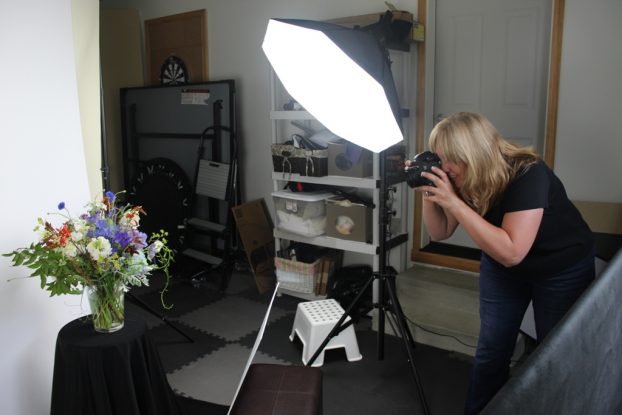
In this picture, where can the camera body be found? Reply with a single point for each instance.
(420, 163)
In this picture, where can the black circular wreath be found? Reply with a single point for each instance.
(164, 192)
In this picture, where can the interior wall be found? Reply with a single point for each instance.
(85, 18)
(588, 143)
(122, 66)
(589, 139)
(42, 163)
(235, 32)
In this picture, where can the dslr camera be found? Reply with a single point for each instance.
(420, 163)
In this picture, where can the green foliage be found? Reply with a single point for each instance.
(101, 248)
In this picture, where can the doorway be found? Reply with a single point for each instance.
(495, 57)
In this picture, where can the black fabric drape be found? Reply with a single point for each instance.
(577, 369)
(105, 374)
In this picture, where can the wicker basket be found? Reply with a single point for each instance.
(289, 159)
(297, 276)
(310, 278)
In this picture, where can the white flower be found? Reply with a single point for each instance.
(157, 246)
(99, 205)
(99, 248)
(130, 220)
(80, 228)
(69, 250)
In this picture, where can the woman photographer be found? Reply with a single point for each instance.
(535, 244)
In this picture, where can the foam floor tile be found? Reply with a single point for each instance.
(215, 377)
(276, 341)
(176, 350)
(231, 317)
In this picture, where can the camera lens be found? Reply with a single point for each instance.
(420, 163)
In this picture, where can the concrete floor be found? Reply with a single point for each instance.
(441, 305)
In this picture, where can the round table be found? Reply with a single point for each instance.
(113, 373)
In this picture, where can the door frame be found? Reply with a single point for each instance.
(422, 103)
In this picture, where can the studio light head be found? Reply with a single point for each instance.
(342, 76)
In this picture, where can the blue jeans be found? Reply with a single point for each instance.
(503, 301)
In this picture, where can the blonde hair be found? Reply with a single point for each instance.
(490, 162)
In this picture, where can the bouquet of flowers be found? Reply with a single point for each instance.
(101, 251)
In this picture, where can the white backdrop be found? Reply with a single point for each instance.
(41, 163)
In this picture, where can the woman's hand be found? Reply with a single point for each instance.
(443, 192)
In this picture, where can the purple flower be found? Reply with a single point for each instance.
(139, 239)
(101, 228)
(110, 196)
(61, 206)
(123, 239)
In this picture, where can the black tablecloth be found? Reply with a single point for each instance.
(115, 373)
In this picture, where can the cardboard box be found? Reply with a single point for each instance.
(347, 159)
(256, 233)
(348, 220)
(401, 20)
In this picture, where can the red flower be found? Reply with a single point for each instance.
(64, 234)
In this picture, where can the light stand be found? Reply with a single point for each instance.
(104, 139)
(386, 281)
(326, 67)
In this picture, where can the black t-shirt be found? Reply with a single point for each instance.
(563, 238)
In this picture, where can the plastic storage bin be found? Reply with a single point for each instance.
(301, 213)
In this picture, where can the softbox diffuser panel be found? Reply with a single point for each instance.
(342, 76)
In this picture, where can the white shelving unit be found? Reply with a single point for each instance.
(282, 130)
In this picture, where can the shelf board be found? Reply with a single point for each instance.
(361, 183)
(291, 115)
(304, 296)
(329, 242)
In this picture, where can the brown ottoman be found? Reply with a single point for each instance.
(280, 390)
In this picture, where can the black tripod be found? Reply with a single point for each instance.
(386, 282)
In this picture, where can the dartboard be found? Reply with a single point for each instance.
(174, 72)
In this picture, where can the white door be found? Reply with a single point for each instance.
(491, 56)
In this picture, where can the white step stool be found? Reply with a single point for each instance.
(312, 323)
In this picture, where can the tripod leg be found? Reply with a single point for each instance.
(144, 306)
(339, 326)
(381, 318)
(409, 334)
(408, 343)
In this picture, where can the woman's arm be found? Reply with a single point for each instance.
(508, 244)
(439, 223)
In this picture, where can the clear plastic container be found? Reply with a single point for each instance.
(302, 213)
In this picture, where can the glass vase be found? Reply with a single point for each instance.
(107, 306)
